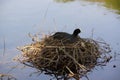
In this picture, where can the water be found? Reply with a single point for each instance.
(18, 18)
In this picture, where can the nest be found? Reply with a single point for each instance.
(65, 60)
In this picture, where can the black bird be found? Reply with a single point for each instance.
(66, 36)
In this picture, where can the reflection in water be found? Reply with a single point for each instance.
(112, 4)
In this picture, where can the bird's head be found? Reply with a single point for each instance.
(76, 32)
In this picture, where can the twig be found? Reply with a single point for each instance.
(81, 66)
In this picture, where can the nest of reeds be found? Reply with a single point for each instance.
(65, 60)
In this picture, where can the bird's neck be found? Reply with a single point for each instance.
(75, 34)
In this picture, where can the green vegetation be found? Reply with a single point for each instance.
(111, 4)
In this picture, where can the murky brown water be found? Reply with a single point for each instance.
(18, 18)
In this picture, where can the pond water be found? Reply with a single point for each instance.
(20, 17)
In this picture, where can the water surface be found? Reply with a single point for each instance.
(18, 18)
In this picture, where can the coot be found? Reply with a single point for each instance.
(66, 36)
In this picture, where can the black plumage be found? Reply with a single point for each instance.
(66, 37)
